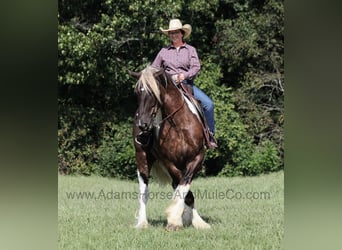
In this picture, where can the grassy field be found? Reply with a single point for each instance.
(99, 213)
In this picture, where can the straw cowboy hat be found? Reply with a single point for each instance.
(175, 24)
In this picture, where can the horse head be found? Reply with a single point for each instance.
(148, 96)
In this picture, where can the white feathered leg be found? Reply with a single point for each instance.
(197, 221)
(143, 197)
(175, 210)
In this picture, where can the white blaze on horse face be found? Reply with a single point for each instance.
(143, 196)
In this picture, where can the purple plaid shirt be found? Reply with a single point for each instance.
(174, 62)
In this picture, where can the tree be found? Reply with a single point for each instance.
(241, 51)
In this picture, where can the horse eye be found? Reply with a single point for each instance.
(142, 89)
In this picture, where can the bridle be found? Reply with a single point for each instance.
(169, 116)
(156, 107)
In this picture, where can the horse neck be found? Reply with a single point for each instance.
(172, 98)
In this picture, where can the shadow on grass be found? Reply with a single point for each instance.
(162, 222)
(211, 220)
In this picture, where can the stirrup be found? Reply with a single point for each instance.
(212, 141)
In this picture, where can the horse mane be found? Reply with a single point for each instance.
(148, 82)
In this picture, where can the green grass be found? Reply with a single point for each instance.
(108, 222)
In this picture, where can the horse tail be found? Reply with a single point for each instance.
(160, 173)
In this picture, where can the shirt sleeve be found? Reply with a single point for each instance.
(195, 65)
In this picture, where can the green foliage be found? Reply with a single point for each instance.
(237, 154)
(89, 144)
(253, 40)
(89, 10)
(253, 160)
(264, 159)
(77, 138)
(230, 132)
(241, 45)
(117, 154)
(250, 47)
(95, 57)
(76, 52)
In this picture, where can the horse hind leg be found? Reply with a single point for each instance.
(191, 216)
(197, 221)
(188, 214)
(143, 197)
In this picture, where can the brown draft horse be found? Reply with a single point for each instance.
(169, 144)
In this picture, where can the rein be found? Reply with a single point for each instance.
(173, 113)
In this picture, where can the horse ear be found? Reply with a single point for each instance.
(158, 73)
(134, 74)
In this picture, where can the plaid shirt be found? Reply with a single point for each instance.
(185, 60)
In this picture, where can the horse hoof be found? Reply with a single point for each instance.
(202, 225)
(141, 225)
(172, 227)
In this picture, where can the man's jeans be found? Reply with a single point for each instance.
(207, 103)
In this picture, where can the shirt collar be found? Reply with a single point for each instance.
(185, 45)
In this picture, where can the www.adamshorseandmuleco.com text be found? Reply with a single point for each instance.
(228, 194)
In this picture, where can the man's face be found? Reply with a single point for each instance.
(175, 36)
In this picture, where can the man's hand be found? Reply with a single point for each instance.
(180, 77)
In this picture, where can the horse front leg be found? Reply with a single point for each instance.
(143, 173)
(178, 208)
(182, 209)
(190, 214)
(143, 197)
(175, 211)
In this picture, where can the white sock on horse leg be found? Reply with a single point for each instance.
(143, 196)
(197, 221)
(175, 210)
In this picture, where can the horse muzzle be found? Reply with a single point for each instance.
(145, 127)
(143, 138)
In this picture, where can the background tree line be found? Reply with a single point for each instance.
(240, 44)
